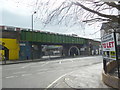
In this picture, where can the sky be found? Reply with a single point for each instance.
(14, 13)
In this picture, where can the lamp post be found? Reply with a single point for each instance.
(32, 30)
(32, 19)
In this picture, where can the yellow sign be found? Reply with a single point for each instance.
(109, 55)
(112, 54)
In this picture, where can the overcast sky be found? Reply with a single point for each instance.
(14, 13)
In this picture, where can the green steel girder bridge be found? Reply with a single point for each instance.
(72, 45)
(50, 38)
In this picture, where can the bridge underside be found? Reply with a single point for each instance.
(34, 50)
(29, 50)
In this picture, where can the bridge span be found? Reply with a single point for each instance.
(26, 44)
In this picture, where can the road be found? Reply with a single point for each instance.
(44, 74)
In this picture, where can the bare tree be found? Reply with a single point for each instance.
(76, 11)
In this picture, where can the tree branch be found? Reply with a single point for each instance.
(113, 5)
(111, 17)
(96, 19)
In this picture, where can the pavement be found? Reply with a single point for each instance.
(88, 77)
(91, 78)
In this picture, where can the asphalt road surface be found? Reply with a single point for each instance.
(44, 74)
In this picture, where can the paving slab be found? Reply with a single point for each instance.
(86, 77)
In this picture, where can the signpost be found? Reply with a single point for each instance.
(117, 54)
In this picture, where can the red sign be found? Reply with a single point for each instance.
(108, 44)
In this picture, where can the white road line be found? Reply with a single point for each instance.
(55, 81)
(27, 65)
(19, 72)
(21, 67)
(71, 60)
(60, 62)
(26, 74)
(10, 69)
(44, 64)
(11, 76)
(34, 66)
(41, 62)
(41, 65)
(41, 70)
(40, 73)
(67, 78)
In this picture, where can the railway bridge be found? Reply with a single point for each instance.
(27, 44)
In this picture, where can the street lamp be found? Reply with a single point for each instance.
(32, 19)
(32, 29)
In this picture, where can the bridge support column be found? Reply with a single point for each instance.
(40, 51)
(65, 50)
(36, 51)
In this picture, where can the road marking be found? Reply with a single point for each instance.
(27, 65)
(58, 79)
(71, 60)
(11, 76)
(10, 69)
(44, 64)
(41, 70)
(41, 65)
(40, 73)
(41, 62)
(19, 72)
(60, 62)
(34, 66)
(26, 74)
(67, 78)
(22, 67)
(55, 81)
